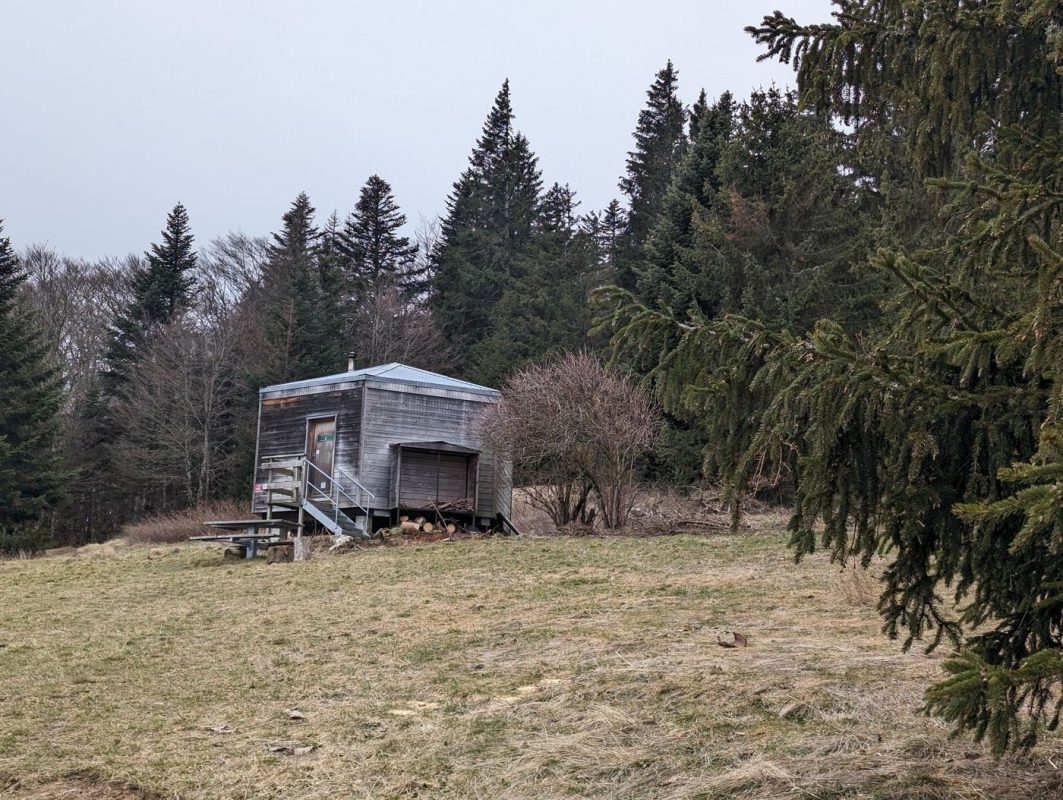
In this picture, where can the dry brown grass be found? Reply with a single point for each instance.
(498, 668)
(657, 511)
(178, 526)
(859, 586)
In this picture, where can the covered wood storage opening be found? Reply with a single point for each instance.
(436, 476)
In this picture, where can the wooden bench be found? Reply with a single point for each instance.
(245, 533)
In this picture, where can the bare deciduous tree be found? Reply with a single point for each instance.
(75, 301)
(230, 265)
(574, 430)
(175, 412)
(385, 328)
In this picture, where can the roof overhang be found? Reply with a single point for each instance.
(393, 373)
(437, 447)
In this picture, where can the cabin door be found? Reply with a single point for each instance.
(321, 450)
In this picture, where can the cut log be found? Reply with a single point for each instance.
(278, 554)
(428, 527)
(410, 527)
(302, 548)
(403, 518)
(420, 520)
(451, 528)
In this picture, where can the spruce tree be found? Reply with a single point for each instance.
(670, 271)
(331, 259)
(929, 437)
(660, 141)
(608, 231)
(161, 287)
(698, 111)
(491, 216)
(304, 331)
(376, 255)
(30, 399)
(543, 310)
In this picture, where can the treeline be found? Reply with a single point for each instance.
(131, 385)
(154, 361)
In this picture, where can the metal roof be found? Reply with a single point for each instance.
(400, 373)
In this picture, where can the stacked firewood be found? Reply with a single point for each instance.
(420, 524)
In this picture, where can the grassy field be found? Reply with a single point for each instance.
(525, 668)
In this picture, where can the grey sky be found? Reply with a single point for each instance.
(112, 110)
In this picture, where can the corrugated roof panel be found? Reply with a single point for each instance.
(392, 372)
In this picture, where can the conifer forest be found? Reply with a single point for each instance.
(845, 297)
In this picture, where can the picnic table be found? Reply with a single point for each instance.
(246, 533)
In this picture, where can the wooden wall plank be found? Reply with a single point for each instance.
(396, 416)
(371, 419)
(282, 428)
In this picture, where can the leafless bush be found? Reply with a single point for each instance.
(859, 587)
(574, 430)
(179, 525)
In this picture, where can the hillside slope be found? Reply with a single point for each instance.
(497, 668)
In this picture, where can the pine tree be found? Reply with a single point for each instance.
(490, 221)
(698, 112)
(304, 331)
(161, 288)
(30, 399)
(376, 255)
(544, 310)
(660, 141)
(931, 436)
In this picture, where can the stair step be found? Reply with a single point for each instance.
(334, 520)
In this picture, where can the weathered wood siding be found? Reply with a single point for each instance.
(283, 421)
(427, 478)
(400, 413)
(503, 483)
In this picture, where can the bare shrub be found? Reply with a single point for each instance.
(574, 429)
(859, 586)
(178, 526)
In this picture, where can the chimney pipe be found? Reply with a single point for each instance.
(350, 362)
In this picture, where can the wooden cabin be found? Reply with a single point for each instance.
(356, 450)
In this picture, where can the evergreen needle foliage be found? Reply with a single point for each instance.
(930, 433)
(30, 400)
(513, 262)
(161, 287)
(375, 253)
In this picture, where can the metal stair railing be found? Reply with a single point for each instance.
(368, 494)
(310, 488)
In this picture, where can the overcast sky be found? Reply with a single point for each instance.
(113, 110)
